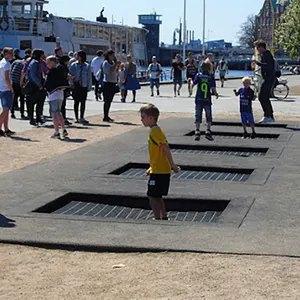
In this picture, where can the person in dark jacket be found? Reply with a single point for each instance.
(55, 85)
(82, 78)
(110, 72)
(267, 65)
(36, 92)
(63, 67)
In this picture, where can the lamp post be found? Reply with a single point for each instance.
(204, 8)
(184, 31)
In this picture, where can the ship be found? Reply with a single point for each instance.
(25, 24)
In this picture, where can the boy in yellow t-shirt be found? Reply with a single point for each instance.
(161, 162)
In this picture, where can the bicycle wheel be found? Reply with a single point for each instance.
(281, 91)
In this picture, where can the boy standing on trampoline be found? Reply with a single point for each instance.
(161, 162)
(246, 97)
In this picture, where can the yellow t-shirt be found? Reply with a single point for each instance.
(159, 163)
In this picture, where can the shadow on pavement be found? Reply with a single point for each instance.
(6, 223)
(75, 141)
(22, 139)
(97, 125)
(126, 124)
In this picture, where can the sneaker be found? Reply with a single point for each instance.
(41, 121)
(2, 132)
(253, 135)
(245, 135)
(178, 92)
(33, 123)
(65, 133)
(77, 121)
(56, 135)
(209, 136)
(23, 117)
(108, 120)
(9, 133)
(13, 116)
(152, 95)
(197, 135)
(266, 120)
(175, 95)
(133, 101)
(67, 123)
(158, 93)
(122, 100)
(83, 121)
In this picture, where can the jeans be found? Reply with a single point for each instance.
(35, 98)
(79, 96)
(18, 94)
(264, 98)
(199, 110)
(109, 89)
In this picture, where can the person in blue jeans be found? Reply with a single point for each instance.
(6, 91)
(246, 97)
(206, 86)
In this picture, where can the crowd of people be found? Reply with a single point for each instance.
(30, 80)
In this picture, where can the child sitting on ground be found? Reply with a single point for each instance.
(206, 86)
(246, 97)
(55, 85)
(161, 162)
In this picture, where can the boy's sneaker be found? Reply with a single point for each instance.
(253, 135)
(208, 135)
(245, 135)
(197, 135)
(56, 135)
(9, 133)
(65, 134)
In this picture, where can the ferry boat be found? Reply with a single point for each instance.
(25, 24)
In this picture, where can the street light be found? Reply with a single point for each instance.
(184, 30)
(204, 8)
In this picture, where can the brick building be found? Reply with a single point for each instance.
(269, 16)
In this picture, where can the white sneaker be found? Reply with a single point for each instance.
(263, 120)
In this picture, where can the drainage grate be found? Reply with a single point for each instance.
(218, 150)
(134, 208)
(191, 173)
(266, 125)
(237, 135)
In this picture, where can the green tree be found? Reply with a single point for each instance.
(249, 32)
(288, 31)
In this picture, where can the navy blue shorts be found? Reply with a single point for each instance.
(6, 99)
(154, 82)
(177, 81)
(247, 118)
(199, 111)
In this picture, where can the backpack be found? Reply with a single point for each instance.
(277, 69)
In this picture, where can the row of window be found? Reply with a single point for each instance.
(21, 8)
(112, 34)
(279, 9)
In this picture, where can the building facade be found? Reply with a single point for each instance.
(269, 17)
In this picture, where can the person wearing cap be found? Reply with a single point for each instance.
(191, 71)
(154, 70)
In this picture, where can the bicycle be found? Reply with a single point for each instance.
(280, 90)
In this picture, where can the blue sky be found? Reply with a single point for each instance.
(223, 16)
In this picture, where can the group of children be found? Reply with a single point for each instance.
(206, 87)
(161, 160)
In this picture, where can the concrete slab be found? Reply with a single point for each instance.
(262, 217)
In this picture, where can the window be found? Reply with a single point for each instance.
(21, 24)
(81, 30)
(3, 10)
(25, 44)
(92, 49)
(75, 29)
(282, 9)
(107, 33)
(100, 32)
(88, 31)
(94, 34)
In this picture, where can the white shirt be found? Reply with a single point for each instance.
(4, 66)
(58, 95)
(96, 64)
(154, 70)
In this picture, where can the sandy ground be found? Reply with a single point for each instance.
(28, 273)
(31, 273)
